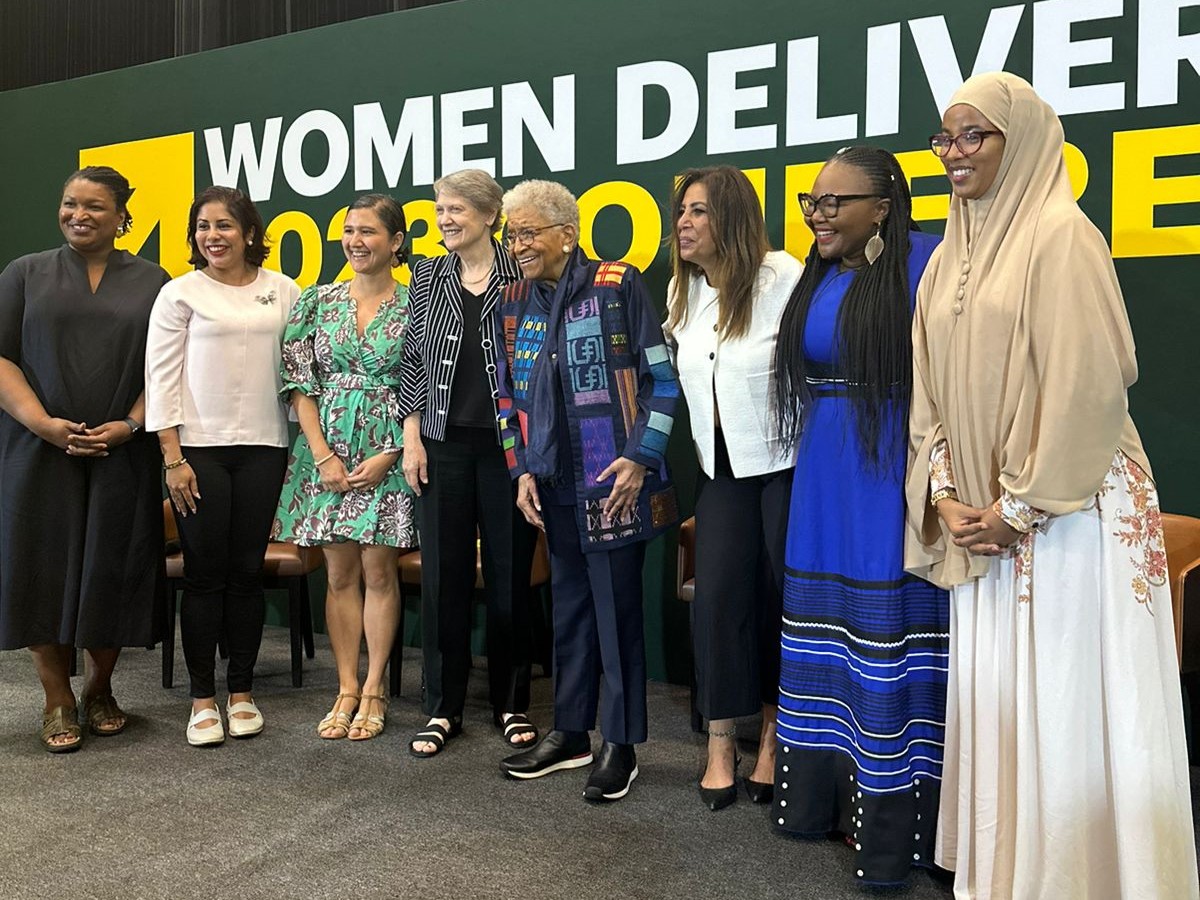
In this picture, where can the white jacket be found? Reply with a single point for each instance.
(740, 372)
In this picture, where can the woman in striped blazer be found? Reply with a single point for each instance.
(455, 464)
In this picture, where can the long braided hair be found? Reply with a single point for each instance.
(874, 325)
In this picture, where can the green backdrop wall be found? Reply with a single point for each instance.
(613, 99)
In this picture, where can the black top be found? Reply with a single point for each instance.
(470, 396)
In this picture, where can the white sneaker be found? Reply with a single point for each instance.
(243, 728)
(203, 737)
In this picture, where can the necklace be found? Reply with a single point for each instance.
(462, 274)
(477, 279)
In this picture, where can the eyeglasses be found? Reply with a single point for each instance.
(829, 204)
(526, 235)
(968, 143)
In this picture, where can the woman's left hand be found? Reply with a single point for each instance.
(99, 440)
(993, 539)
(371, 471)
(623, 498)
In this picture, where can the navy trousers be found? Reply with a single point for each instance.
(598, 634)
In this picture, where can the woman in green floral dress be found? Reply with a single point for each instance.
(344, 491)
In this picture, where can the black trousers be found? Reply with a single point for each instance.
(741, 535)
(469, 492)
(223, 544)
(597, 633)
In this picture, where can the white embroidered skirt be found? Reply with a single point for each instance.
(1066, 765)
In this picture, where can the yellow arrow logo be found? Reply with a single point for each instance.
(162, 173)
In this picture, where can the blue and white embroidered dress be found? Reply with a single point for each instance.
(862, 696)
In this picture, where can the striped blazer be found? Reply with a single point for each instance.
(434, 337)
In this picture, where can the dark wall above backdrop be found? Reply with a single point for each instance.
(42, 41)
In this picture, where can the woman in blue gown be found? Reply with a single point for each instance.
(864, 645)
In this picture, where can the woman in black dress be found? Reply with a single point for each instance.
(80, 491)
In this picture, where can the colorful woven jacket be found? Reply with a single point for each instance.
(616, 388)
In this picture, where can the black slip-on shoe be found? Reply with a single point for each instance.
(614, 773)
(558, 750)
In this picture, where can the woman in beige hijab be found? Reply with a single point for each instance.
(1031, 498)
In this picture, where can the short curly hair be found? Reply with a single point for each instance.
(547, 198)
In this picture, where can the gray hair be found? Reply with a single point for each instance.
(475, 186)
(549, 198)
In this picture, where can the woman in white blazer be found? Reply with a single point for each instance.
(724, 304)
(212, 394)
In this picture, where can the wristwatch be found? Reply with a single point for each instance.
(134, 425)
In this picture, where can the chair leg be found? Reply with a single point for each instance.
(168, 645)
(296, 631)
(306, 621)
(396, 661)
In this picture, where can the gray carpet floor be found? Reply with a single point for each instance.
(285, 814)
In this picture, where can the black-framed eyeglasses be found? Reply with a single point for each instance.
(968, 143)
(526, 235)
(829, 204)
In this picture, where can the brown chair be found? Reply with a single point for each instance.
(285, 566)
(1181, 534)
(685, 571)
(410, 580)
(685, 590)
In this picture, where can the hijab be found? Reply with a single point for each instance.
(1022, 351)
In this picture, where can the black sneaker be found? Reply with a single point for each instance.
(558, 750)
(613, 775)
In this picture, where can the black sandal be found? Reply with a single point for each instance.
(435, 734)
(517, 724)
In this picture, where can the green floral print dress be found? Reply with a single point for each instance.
(356, 384)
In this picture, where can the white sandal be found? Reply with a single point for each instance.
(203, 737)
(243, 728)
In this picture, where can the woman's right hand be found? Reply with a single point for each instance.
(56, 431)
(416, 464)
(528, 501)
(333, 475)
(961, 520)
(183, 488)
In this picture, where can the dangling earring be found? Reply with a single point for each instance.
(874, 248)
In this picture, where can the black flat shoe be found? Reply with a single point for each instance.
(558, 750)
(435, 734)
(759, 791)
(614, 773)
(517, 726)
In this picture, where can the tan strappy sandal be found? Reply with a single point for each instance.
(62, 720)
(338, 720)
(371, 724)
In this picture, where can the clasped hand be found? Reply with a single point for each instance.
(79, 440)
(366, 475)
(978, 531)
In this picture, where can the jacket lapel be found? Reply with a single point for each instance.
(445, 291)
(504, 271)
